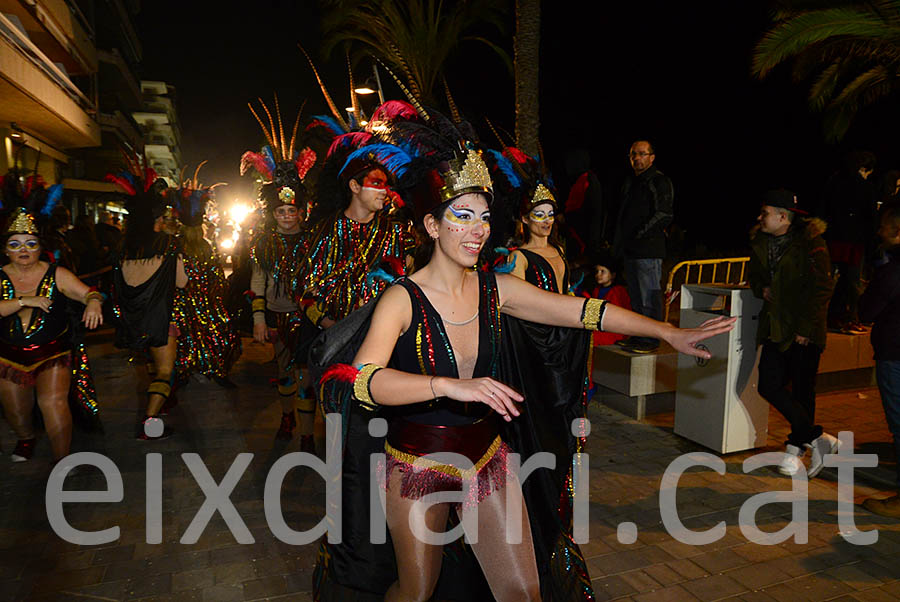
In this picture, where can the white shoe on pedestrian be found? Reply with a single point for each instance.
(825, 444)
(791, 463)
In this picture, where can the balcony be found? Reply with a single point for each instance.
(118, 79)
(39, 96)
(59, 30)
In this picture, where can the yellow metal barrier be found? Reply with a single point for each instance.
(728, 262)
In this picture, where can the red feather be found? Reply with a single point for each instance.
(396, 265)
(122, 183)
(305, 160)
(396, 198)
(258, 162)
(150, 176)
(395, 109)
(516, 155)
(339, 372)
(352, 140)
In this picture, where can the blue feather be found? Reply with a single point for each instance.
(331, 123)
(269, 157)
(575, 286)
(379, 274)
(507, 267)
(501, 250)
(393, 158)
(54, 193)
(506, 166)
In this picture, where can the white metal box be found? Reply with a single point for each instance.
(716, 400)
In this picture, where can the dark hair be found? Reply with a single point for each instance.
(553, 239)
(425, 246)
(860, 160)
(649, 143)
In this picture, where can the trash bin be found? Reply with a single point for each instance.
(716, 400)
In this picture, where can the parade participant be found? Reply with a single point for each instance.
(208, 342)
(277, 252)
(438, 333)
(38, 352)
(149, 270)
(354, 234)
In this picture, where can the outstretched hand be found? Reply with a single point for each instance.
(501, 398)
(685, 340)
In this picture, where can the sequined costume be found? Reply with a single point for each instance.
(343, 254)
(26, 350)
(358, 569)
(275, 261)
(207, 343)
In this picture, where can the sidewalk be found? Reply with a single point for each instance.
(627, 460)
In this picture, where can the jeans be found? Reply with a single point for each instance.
(797, 366)
(887, 374)
(644, 279)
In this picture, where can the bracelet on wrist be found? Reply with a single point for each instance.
(431, 384)
(362, 385)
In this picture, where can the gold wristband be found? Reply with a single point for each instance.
(258, 304)
(592, 313)
(93, 295)
(361, 385)
(314, 313)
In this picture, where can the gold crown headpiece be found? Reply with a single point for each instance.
(22, 223)
(541, 194)
(468, 173)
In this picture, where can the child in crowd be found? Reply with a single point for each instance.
(602, 285)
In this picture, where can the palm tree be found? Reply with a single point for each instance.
(849, 49)
(526, 47)
(414, 37)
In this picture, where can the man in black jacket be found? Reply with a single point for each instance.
(881, 304)
(640, 239)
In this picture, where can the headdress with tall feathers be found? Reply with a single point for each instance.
(28, 202)
(143, 194)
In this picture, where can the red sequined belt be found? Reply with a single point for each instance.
(28, 357)
(470, 440)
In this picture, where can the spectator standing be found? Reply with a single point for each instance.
(789, 269)
(645, 210)
(848, 206)
(881, 304)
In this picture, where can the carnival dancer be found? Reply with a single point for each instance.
(208, 341)
(276, 256)
(148, 272)
(38, 350)
(432, 350)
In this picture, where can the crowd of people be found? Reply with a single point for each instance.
(406, 271)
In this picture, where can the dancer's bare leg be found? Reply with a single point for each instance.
(53, 400)
(18, 402)
(418, 563)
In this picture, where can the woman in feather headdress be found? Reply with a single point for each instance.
(145, 278)
(430, 356)
(277, 252)
(37, 349)
(208, 342)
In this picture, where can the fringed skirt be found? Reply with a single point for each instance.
(22, 364)
(409, 443)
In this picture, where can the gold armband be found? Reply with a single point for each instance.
(592, 313)
(93, 295)
(361, 385)
(258, 304)
(314, 313)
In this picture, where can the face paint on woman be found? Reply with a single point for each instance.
(461, 218)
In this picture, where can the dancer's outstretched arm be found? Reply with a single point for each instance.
(523, 300)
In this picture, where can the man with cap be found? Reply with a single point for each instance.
(789, 268)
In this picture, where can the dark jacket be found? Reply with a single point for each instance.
(881, 304)
(801, 285)
(848, 206)
(644, 212)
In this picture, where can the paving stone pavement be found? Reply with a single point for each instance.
(627, 461)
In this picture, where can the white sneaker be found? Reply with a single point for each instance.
(825, 444)
(791, 463)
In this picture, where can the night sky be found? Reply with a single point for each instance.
(675, 72)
